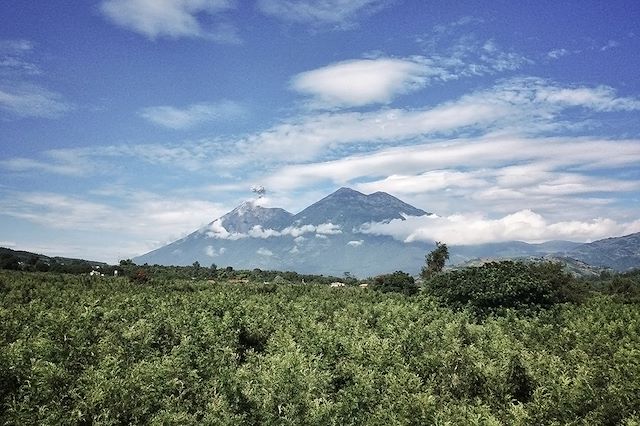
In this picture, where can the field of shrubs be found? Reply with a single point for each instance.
(501, 344)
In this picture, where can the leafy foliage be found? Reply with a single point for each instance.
(435, 260)
(399, 282)
(102, 350)
(496, 286)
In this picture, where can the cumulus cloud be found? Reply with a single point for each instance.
(523, 225)
(340, 14)
(192, 115)
(355, 243)
(171, 18)
(217, 230)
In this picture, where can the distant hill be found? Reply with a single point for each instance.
(574, 267)
(27, 257)
(325, 238)
(619, 253)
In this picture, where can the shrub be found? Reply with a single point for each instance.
(399, 282)
(496, 286)
(139, 277)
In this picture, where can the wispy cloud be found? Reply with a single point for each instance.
(28, 100)
(558, 53)
(192, 115)
(14, 58)
(529, 106)
(521, 106)
(359, 82)
(338, 14)
(484, 152)
(153, 218)
(172, 18)
(20, 96)
(611, 44)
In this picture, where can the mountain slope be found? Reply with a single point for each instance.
(348, 208)
(249, 214)
(619, 253)
(319, 239)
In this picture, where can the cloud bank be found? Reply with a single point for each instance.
(523, 225)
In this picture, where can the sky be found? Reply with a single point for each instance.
(126, 124)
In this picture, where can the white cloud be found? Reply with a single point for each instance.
(20, 97)
(217, 230)
(212, 252)
(355, 243)
(527, 106)
(601, 98)
(339, 14)
(192, 115)
(523, 225)
(528, 180)
(361, 82)
(20, 164)
(328, 229)
(171, 18)
(264, 252)
(611, 44)
(27, 100)
(518, 105)
(484, 152)
(557, 53)
(433, 180)
(15, 46)
(13, 58)
(152, 219)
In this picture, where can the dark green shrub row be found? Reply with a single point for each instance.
(496, 286)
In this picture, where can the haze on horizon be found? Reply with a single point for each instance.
(127, 124)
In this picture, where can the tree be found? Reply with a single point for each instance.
(399, 282)
(435, 260)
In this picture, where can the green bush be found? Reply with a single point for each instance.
(399, 282)
(496, 286)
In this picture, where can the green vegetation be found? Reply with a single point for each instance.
(228, 348)
(435, 260)
(495, 287)
(399, 282)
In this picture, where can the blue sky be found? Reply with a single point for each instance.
(127, 124)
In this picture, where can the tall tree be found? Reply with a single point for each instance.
(435, 260)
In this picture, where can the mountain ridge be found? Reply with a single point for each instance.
(325, 238)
